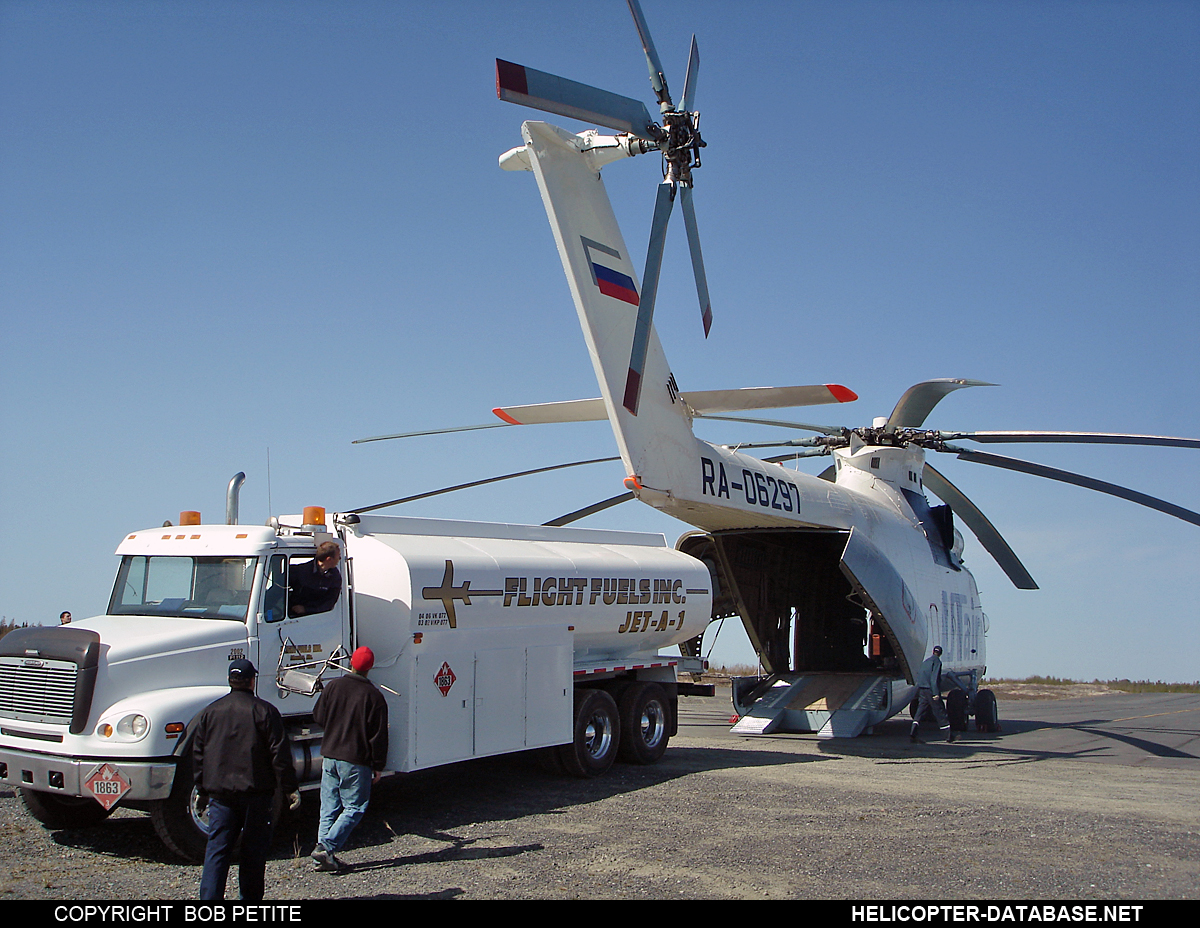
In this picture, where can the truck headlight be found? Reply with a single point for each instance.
(132, 727)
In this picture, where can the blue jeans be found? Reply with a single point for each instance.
(247, 815)
(345, 792)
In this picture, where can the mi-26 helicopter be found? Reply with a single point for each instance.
(845, 581)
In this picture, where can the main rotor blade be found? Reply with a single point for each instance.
(807, 453)
(528, 87)
(645, 316)
(977, 522)
(591, 510)
(693, 75)
(823, 429)
(1098, 438)
(657, 79)
(693, 237)
(479, 483)
(794, 443)
(459, 428)
(919, 399)
(1079, 480)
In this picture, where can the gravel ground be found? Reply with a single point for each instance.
(720, 817)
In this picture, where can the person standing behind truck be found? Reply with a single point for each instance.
(315, 585)
(240, 755)
(354, 747)
(929, 696)
(64, 618)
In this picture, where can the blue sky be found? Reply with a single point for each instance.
(229, 229)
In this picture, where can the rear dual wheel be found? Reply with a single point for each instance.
(597, 735)
(645, 723)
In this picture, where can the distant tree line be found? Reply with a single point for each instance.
(6, 626)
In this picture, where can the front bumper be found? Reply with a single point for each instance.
(66, 776)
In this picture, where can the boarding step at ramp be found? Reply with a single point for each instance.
(834, 705)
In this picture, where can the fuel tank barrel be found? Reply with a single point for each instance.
(623, 593)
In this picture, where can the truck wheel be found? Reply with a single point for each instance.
(180, 826)
(956, 709)
(597, 735)
(63, 811)
(645, 723)
(987, 715)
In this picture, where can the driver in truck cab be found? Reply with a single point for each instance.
(314, 586)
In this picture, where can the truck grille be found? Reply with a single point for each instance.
(37, 690)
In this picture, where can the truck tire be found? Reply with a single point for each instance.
(55, 811)
(178, 824)
(645, 723)
(956, 710)
(597, 735)
(987, 714)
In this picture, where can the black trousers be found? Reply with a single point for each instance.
(244, 815)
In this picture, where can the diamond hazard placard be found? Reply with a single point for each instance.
(106, 785)
(444, 678)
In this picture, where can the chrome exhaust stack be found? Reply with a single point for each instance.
(231, 498)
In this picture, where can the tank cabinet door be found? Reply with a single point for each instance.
(445, 702)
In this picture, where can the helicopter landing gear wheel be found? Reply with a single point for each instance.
(987, 714)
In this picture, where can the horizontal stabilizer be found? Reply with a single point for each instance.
(701, 402)
(709, 401)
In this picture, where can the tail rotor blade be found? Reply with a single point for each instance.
(657, 79)
(693, 237)
(689, 82)
(645, 317)
(516, 83)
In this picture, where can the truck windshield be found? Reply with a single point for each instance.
(194, 587)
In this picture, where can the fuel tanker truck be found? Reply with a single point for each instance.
(488, 639)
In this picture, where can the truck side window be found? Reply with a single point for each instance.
(275, 598)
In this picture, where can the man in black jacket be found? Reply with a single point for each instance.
(354, 747)
(315, 585)
(240, 755)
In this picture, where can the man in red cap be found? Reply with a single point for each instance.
(354, 747)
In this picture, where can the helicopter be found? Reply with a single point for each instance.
(844, 581)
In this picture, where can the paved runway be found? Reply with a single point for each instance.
(1145, 729)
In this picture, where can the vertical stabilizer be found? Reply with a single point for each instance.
(604, 285)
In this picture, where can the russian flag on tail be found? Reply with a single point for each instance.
(615, 284)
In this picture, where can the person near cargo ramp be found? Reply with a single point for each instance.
(240, 755)
(354, 747)
(929, 696)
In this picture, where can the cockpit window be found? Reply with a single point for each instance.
(192, 587)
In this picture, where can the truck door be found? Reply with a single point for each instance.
(300, 642)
